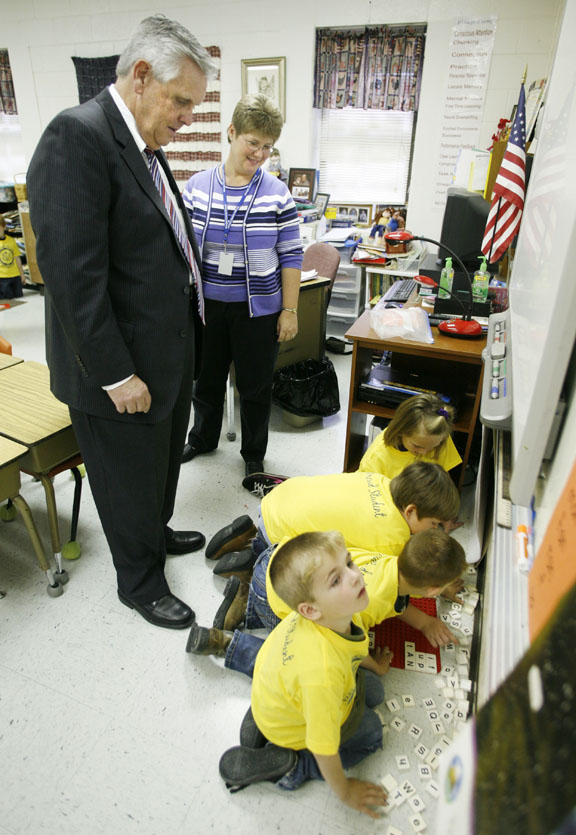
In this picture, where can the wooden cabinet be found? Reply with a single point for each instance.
(458, 361)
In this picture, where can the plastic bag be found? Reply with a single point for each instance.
(307, 388)
(410, 323)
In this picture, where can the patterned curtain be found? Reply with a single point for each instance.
(7, 98)
(93, 74)
(374, 69)
(194, 148)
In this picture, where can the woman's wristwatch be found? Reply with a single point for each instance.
(290, 309)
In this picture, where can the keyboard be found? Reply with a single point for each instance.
(400, 291)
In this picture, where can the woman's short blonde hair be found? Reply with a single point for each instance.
(294, 565)
(257, 114)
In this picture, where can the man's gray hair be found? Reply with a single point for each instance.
(164, 43)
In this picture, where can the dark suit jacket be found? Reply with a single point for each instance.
(117, 283)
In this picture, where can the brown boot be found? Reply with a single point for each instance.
(233, 608)
(202, 641)
(233, 537)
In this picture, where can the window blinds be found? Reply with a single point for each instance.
(365, 155)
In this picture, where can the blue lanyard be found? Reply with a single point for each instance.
(245, 194)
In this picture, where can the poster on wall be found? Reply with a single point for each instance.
(470, 53)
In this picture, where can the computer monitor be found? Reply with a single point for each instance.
(463, 226)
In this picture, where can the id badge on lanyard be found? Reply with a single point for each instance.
(226, 259)
(225, 263)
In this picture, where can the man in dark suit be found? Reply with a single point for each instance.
(122, 300)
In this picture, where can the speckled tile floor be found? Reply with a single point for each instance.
(107, 726)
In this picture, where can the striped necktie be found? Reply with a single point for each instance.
(176, 225)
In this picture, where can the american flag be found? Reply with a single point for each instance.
(509, 189)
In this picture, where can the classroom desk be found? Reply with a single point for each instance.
(11, 454)
(458, 360)
(311, 337)
(7, 360)
(31, 415)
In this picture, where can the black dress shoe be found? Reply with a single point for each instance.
(253, 467)
(190, 452)
(167, 611)
(184, 542)
(238, 534)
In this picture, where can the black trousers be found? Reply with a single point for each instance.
(251, 344)
(133, 471)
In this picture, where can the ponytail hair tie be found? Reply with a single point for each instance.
(443, 412)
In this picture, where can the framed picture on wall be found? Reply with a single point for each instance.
(321, 202)
(301, 182)
(267, 76)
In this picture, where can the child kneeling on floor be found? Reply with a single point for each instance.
(314, 682)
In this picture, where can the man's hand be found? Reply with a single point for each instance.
(132, 396)
(435, 631)
(287, 326)
(364, 796)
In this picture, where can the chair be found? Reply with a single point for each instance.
(325, 259)
(5, 346)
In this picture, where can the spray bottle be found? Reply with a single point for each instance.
(480, 283)
(446, 279)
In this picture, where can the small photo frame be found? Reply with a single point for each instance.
(301, 183)
(267, 76)
(321, 202)
(358, 214)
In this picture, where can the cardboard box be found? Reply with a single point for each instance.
(29, 244)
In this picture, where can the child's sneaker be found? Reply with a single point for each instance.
(261, 483)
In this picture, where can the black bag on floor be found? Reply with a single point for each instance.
(307, 388)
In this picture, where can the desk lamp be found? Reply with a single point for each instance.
(464, 328)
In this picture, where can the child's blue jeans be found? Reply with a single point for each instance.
(366, 740)
(243, 648)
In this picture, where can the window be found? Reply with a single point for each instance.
(367, 86)
(365, 155)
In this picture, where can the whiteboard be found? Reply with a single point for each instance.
(543, 280)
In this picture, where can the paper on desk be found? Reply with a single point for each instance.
(337, 235)
(308, 275)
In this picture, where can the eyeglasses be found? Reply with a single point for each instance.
(254, 145)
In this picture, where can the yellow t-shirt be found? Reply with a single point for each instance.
(390, 461)
(9, 252)
(304, 683)
(380, 573)
(357, 504)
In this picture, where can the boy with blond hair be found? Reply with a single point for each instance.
(309, 718)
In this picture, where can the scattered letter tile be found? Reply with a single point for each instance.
(402, 762)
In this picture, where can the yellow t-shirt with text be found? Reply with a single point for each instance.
(304, 683)
(357, 504)
(9, 252)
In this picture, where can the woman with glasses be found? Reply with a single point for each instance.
(248, 231)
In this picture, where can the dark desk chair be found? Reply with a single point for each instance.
(325, 259)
